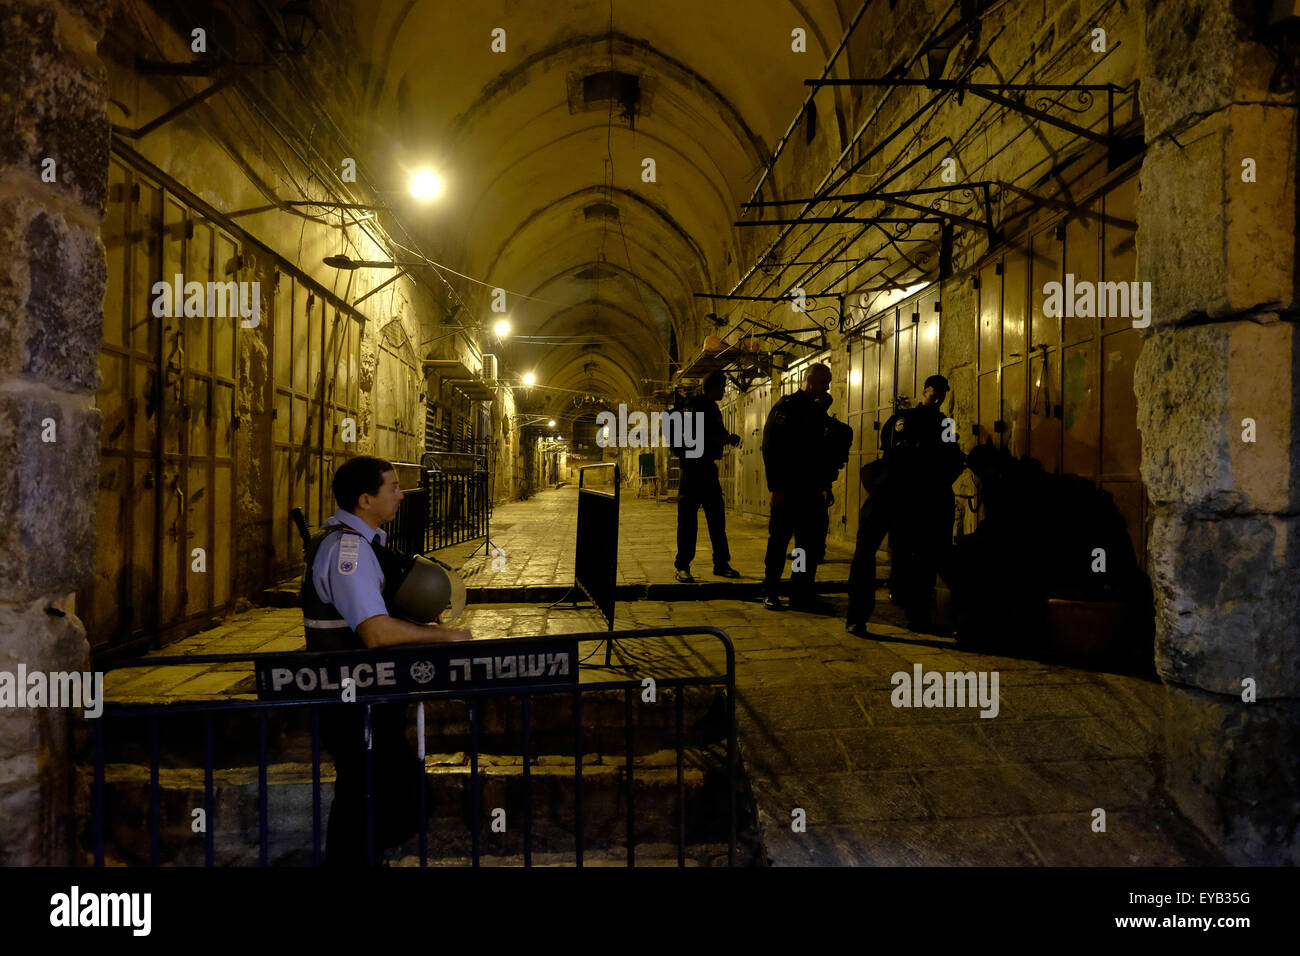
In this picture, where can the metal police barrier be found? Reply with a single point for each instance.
(595, 563)
(517, 667)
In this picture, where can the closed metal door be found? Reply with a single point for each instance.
(316, 420)
(298, 431)
(753, 486)
(165, 508)
(862, 416)
(727, 467)
(1061, 389)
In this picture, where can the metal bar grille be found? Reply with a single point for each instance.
(235, 710)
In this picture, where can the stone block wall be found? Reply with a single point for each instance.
(1216, 384)
(52, 107)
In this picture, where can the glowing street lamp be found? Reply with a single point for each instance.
(529, 380)
(426, 184)
(501, 329)
(551, 423)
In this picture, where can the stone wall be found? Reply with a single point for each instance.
(51, 314)
(1225, 542)
(226, 152)
(505, 446)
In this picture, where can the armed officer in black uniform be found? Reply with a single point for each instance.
(344, 605)
(922, 467)
(875, 519)
(700, 486)
(795, 457)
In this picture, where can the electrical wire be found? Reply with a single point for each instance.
(609, 188)
(786, 230)
(444, 268)
(292, 78)
(823, 189)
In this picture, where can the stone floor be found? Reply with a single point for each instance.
(876, 784)
(536, 540)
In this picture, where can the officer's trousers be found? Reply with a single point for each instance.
(803, 515)
(874, 521)
(396, 776)
(920, 545)
(700, 488)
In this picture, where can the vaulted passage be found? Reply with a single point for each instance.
(243, 242)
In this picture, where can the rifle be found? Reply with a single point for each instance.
(300, 521)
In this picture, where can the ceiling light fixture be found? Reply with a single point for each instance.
(426, 184)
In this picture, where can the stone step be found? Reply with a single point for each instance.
(646, 855)
(181, 735)
(286, 594)
(289, 800)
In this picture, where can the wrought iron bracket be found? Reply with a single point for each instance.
(223, 74)
(222, 79)
(897, 197)
(997, 93)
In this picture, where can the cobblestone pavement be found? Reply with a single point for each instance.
(537, 540)
(877, 784)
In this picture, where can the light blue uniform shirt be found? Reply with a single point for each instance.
(350, 577)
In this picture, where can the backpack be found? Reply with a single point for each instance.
(839, 442)
(682, 405)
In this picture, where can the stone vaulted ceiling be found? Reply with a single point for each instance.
(524, 143)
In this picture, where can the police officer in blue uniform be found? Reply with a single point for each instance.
(345, 608)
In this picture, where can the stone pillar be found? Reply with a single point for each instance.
(1220, 253)
(53, 106)
(958, 352)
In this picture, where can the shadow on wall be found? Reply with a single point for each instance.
(1050, 572)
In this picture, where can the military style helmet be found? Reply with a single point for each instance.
(416, 589)
(427, 591)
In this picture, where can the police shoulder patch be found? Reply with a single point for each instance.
(898, 425)
(349, 551)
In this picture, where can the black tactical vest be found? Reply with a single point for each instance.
(326, 629)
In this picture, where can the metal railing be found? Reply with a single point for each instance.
(437, 659)
(451, 504)
(459, 504)
(409, 530)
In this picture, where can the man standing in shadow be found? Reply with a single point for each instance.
(795, 460)
(927, 460)
(700, 486)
